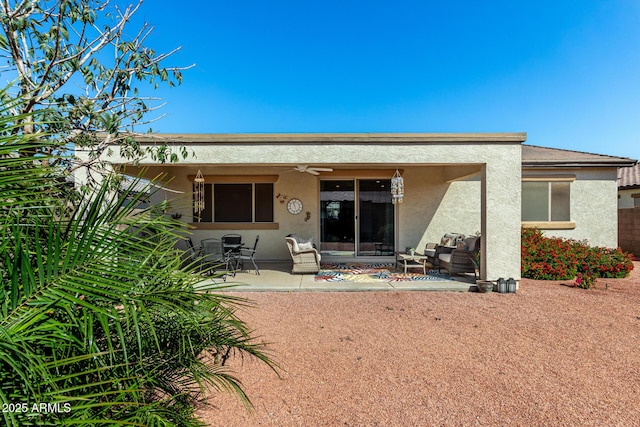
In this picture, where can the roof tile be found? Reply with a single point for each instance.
(629, 177)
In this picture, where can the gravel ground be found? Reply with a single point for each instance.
(549, 355)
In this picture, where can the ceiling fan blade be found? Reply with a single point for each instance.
(311, 169)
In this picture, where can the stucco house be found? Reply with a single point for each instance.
(336, 189)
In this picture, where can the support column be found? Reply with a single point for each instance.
(501, 217)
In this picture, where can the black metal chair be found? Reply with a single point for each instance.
(249, 255)
(232, 242)
(215, 257)
(190, 255)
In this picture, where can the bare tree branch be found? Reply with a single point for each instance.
(73, 62)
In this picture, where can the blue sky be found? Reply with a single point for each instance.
(565, 72)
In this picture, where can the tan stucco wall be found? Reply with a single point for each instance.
(434, 205)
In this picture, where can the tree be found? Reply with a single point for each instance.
(99, 322)
(74, 60)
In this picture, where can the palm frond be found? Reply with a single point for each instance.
(97, 310)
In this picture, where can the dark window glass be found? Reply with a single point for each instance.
(233, 202)
(264, 202)
(236, 203)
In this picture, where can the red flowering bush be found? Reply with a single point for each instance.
(554, 258)
(585, 281)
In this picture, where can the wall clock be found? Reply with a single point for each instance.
(294, 206)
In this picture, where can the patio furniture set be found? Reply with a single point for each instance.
(227, 254)
(455, 253)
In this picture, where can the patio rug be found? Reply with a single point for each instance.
(377, 272)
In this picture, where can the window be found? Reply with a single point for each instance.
(237, 202)
(546, 201)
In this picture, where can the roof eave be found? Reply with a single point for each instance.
(342, 138)
(618, 163)
(629, 187)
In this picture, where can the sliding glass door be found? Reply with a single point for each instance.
(337, 214)
(376, 234)
(365, 228)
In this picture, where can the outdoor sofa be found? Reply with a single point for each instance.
(462, 259)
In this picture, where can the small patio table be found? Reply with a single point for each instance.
(413, 261)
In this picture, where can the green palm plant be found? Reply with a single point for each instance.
(99, 323)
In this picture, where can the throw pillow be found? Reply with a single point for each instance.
(305, 246)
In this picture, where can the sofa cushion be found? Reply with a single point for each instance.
(445, 257)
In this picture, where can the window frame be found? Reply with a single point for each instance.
(548, 223)
(255, 180)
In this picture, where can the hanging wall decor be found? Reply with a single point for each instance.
(198, 194)
(397, 188)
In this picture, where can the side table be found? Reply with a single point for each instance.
(413, 261)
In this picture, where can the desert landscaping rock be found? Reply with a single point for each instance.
(548, 355)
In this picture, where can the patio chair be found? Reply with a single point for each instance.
(462, 259)
(215, 258)
(189, 254)
(232, 242)
(305, 257)
(246, 254)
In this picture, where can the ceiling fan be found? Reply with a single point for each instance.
(312, 170)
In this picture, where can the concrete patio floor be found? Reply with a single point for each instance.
(276, 277)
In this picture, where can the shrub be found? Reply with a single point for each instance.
(555, 258)
(585, 281)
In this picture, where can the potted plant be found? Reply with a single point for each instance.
(484, 285)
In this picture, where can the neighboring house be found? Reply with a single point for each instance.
(629, 187)
(629, 209)
(466, 183)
